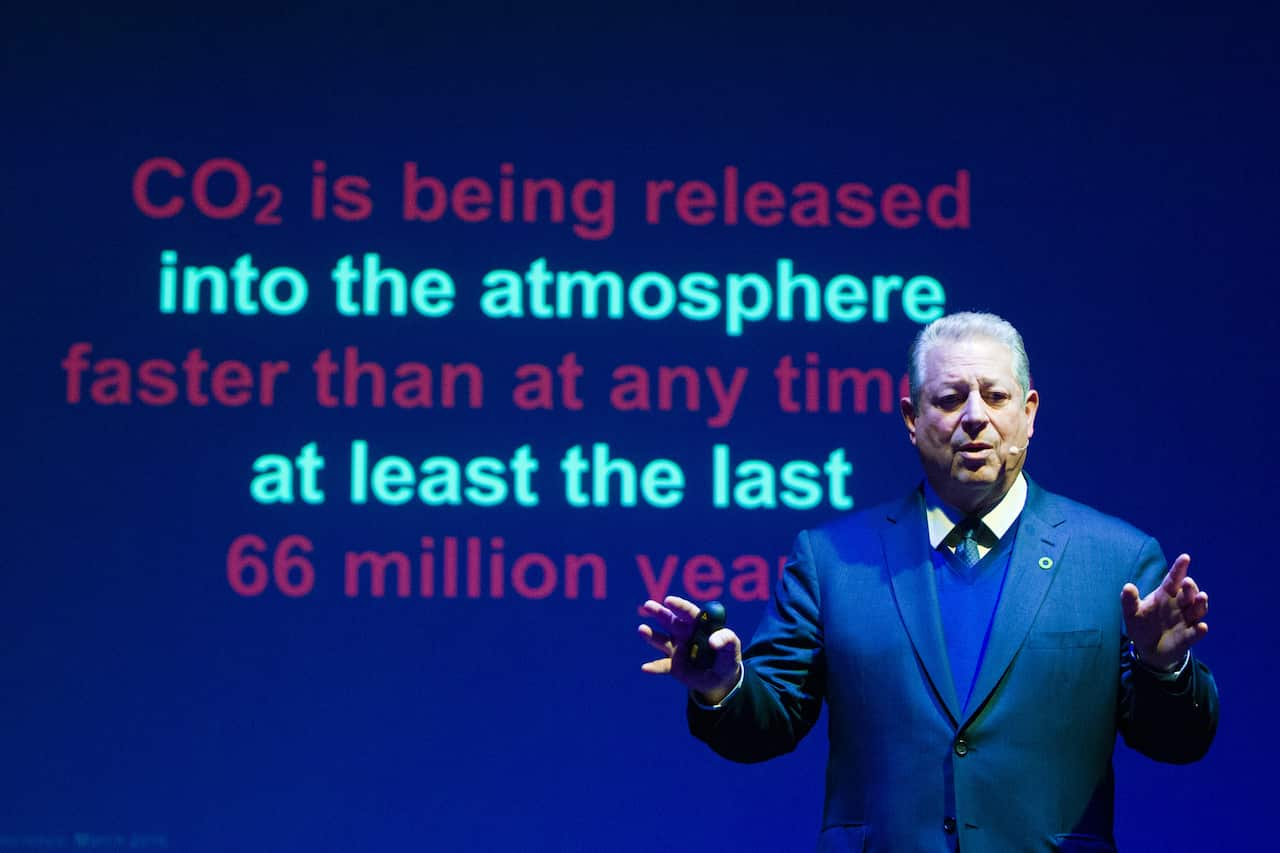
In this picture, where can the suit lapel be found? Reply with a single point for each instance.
(1037, 552)
(906, 552)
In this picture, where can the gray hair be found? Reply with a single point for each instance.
(965, 326)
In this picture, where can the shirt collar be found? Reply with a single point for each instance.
(999, 519)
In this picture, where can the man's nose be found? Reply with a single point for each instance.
(974, 416)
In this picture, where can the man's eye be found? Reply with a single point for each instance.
(997, 396)
(948, 401)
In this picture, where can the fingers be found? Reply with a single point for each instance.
(1196, 609)
(1185, 636)
(661, 642)
(1177, 572)
(661, 666)
(1188, 595)
(685, 608)
(728, 648)
(1168, 622)
(1192, 602)
(725, 638)
(1129, 600)
(672, 611)
(655, 610)
(1177, 639)
(677, 616)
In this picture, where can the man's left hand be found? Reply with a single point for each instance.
(1167, 623)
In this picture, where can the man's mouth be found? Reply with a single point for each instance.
(974, 447)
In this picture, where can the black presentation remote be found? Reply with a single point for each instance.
(700, 655)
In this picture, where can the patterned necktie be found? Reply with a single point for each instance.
(967, 548)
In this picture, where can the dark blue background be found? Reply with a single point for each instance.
(1124, 191)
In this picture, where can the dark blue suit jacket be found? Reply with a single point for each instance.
(1027, 766)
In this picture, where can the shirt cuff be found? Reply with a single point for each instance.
(742, 674)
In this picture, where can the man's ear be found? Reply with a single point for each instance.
(908, 417)
(1031, 407)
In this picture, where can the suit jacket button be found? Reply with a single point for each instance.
(961, 747)
(948, 824)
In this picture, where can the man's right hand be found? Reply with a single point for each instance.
(675, 618)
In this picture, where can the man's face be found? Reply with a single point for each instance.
(973, 422)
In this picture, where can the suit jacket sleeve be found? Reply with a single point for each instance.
(784, 674)
(1171, 721)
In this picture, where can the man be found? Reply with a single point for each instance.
(979, 644)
